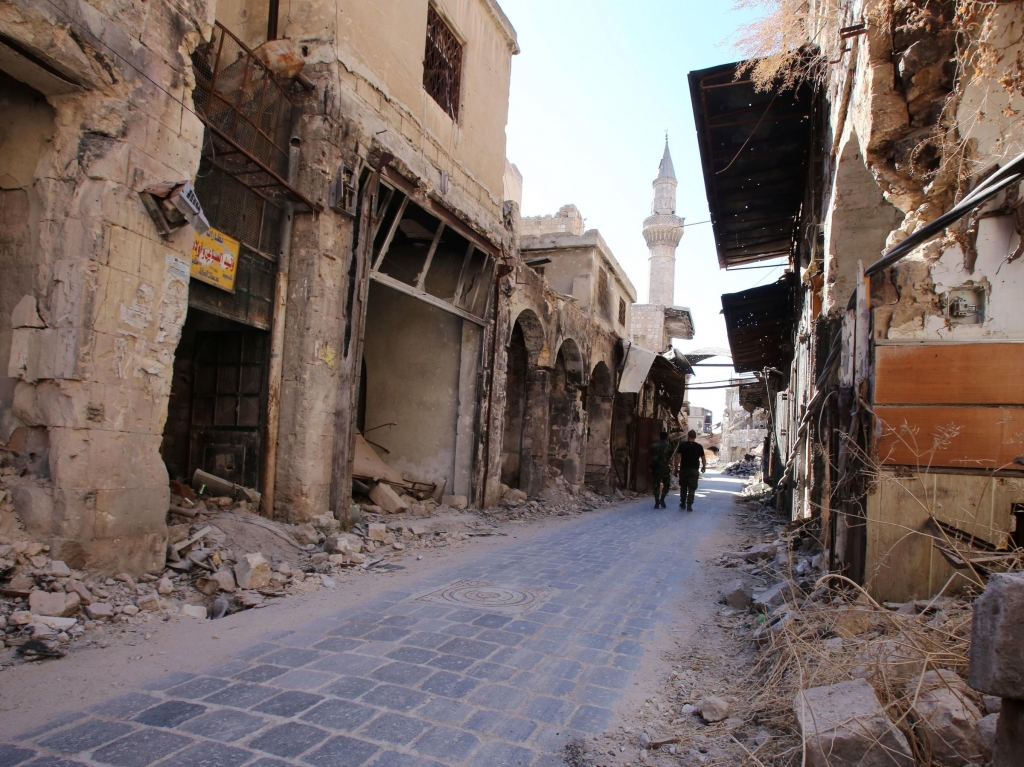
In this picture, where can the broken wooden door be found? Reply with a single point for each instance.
(228, 405)
(647, 432)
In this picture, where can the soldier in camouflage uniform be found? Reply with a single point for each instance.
(661, 469)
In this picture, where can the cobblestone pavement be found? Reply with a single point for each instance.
(498, 660)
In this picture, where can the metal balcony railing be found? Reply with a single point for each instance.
(247, 113)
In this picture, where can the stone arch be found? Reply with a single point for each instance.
(600, 403)
(575, 365)
(534, 337)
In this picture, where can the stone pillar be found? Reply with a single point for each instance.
(997, 660)
(533, 459)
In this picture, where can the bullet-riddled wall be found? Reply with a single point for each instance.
(94, 310)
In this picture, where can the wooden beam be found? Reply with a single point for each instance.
(391, 234)
(954, 374)
(926, 436)
(410, 290)
(422, 276)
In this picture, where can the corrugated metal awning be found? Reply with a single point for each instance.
(759, 323)
(754, 149)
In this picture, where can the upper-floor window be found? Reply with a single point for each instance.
(442, 64)
(622, 312)
(604, 295)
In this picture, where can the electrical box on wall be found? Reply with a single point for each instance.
(343, 192)
(965, 305)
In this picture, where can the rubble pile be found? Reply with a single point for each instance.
(802, 667)
(743, 468)
(559, 498)
(221, 558)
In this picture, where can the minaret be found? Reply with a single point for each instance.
(663, 230)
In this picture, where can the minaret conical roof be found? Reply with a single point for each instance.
(665, 170)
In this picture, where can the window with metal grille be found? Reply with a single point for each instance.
(622, 312)
(442, 64)
(604, 295)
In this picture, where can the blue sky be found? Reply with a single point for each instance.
(597, 84)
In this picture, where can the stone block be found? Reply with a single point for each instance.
(997, 638)
(377, 531)
(945, 717)
(738, 594)
(843, 725)
(341, 543)
(150, 602)
(53, 603)
(194, 611)
(57, 568)
(773, 596)
(714, 709)
(26, 315)
(985, 736)
(459, 502)
(305, 534)
(851, 621)
(222, 580)
(34, 506)
(252, 571)
(1009, 734)
(384, 496)
(99, 611)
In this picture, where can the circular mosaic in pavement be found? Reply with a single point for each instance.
(486, 596)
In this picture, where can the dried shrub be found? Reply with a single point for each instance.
(790, 43)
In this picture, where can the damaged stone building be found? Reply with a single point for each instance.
(281, 245)
(891, 382)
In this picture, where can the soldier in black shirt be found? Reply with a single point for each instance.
(692, 464)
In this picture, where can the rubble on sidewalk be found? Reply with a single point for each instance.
(811, 665)
(221, 558)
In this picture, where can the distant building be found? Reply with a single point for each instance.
(742, 431)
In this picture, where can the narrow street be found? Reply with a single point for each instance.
(497, 656)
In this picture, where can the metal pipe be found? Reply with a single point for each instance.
(277, 329)
(273, 12)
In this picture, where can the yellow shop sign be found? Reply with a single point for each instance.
(215, 259)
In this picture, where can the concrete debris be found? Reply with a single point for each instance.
(714, 709)
(774, 596)
(997, 638)
(252, 571)
(985, 737)
(742, 468)
(459, 502)
(844, 725)
(738, 594)
(194, 611)
(383, 495)
(945, 716)
(218, 549)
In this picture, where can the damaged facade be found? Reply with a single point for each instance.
(893, 393)
(360, 293)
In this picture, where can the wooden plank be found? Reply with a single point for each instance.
(898, 557)
(950, 374)
(925, 436)
(902, 562)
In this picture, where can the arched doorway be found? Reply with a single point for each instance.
(599, 406)
(567, 418)
(524, 348)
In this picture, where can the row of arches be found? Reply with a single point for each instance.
(558, 419)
